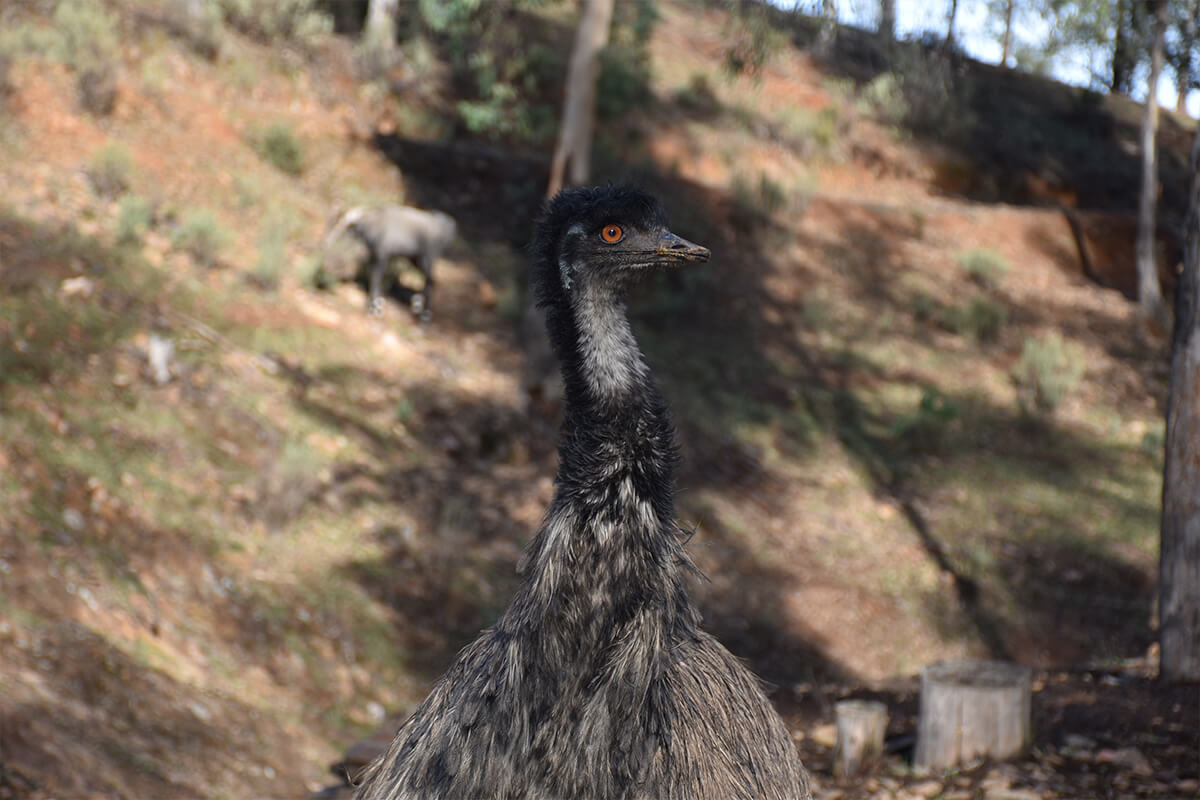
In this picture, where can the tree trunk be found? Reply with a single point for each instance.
(971, 709)
(828, 31)
(380, 27)
(579, 106)
(950, 17)
(887, 19)
(1186, 45)
(1006, 43)
(1123, 59)
(1149, 292)
(1179, 568)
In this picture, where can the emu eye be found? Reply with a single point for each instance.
(612, 234)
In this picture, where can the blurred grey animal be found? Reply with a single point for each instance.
(398, 232)
(597, 682)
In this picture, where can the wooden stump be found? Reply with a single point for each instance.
(860, 728)
(971, 709)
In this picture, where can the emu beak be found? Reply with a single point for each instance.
(675, 248)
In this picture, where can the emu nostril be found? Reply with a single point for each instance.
(677, 247)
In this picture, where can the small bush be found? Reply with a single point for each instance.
(272, 254)
(201, 236)
(985, 267)
(982, 319)
(110, 169)
(812, 130)
(763, 198)
(9, 50)
(278, 145)
(199, 24)
(928, 427)
(755, 41)
(299, 21)
(883, 99)
(1049, 370)
(623, 83)
(320, 277)
(86, 40)
(133, 220)
(698, 96)
(86, 35)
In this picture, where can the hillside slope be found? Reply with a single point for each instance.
(209, 587)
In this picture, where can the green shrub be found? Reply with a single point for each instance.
(698, 96)
(623, 83)
(86, 39)
(982, 319)
(763, 198)
(985, 267)
(10, 48)
(201, 236)
(883, 99)
(278, 145)
(86, 35)
(133, 219)
(110, 169)
(755, 41)
(1049, 370)
(812, 129)
(320, 277)
(299, 21)
(272, 254)
(927, 428)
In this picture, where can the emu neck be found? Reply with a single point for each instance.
(609, 554)
(608, 366)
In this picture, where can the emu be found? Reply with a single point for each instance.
(398, 232)
(597, 682)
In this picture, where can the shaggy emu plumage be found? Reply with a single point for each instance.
(597, 683)
(391, 232)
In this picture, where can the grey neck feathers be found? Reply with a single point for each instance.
(611, 364)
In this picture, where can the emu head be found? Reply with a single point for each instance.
(603, 238)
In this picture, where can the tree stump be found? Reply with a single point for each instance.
(860, 728)
(971, 709)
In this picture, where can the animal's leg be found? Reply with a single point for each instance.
(421, 302)
(378, 270)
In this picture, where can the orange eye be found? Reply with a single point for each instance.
(612, 234)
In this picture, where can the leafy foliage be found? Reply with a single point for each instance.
(985, 267)
(298, 21)
(983, 319)
(755, 39)
(278, 145)
(133, 219)
(86, 40)
(698, 96)
(1049, 370)
(201, 236)
(86, 35)
(110, 169)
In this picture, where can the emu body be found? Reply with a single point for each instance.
(597, 682)
(391, 232)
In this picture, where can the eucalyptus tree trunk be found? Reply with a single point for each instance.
(887, 19)
(574, 147)
(827, 34)
(380, 27)
(1006, 42)
(1179, 567)
(1149, 293)
(1184, 60)
(1123, 58)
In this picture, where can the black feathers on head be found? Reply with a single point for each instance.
(592, 207)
